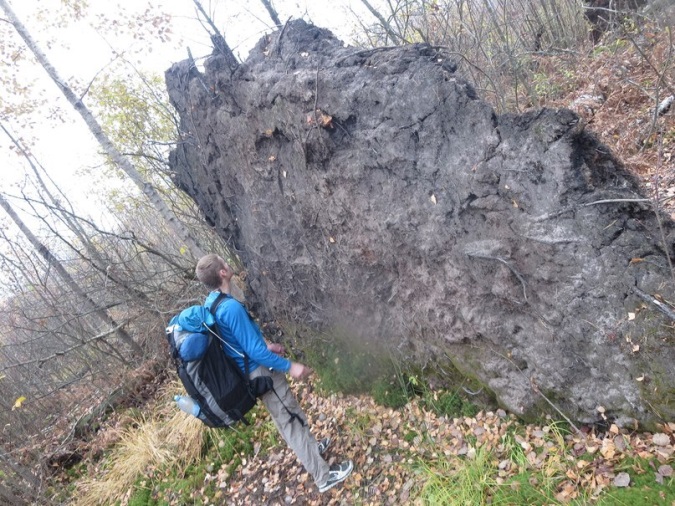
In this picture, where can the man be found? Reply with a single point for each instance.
(241, 333)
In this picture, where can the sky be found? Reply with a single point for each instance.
(81, 49)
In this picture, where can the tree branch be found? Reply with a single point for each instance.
(666, 310)
(60, 353)
(272, 12)
(501, 260)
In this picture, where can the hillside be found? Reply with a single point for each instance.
(438, 448)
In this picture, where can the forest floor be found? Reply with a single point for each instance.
(415, 454)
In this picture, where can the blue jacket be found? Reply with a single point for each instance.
(239, 331)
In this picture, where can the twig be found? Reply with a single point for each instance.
(548, 216)
(316, 102)
(656, 210)
(208, 19)
(610, 201)
(499, 259)
(662, 75)
(281, 34)
(41, 361)
(273, 13)
(666, 310)
(535, 387)
(384, 23)
(219, 42)
(316, 96)
(86, 90)
(472, 393)
(657, 104)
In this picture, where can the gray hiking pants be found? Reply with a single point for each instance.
(297, 436)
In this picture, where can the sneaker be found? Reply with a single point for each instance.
(323, 445)
(338, 473)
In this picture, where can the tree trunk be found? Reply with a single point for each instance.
(272, 12)
(396, 38)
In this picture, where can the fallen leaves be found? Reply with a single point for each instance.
(621, 480)
(18, 403)
(390, 448)
(661, 439)
(320, 118)
(664, 471)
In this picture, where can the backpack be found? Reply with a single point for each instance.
(214, 381)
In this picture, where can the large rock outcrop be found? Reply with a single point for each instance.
(374, 191)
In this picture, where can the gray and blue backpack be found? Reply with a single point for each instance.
(223, 392)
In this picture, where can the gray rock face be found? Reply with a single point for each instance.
(374, 191)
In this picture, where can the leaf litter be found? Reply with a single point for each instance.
(390, 447)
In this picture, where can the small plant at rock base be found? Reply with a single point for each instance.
(390, 394)
(344, 363)
(449, 404)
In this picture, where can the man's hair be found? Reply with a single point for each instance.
(208, 270)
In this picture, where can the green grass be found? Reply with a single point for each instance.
(528, 488)
(476, 481)
(513, 450)
(643, 487)
(450, 404)
(141, 497)
(394, 391)
(344, 363)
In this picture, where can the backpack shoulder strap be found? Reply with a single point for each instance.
(221, 297)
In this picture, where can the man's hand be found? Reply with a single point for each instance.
(276, 348)
(299, 371)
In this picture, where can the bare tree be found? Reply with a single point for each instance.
(87, 302)
(396, 37)
(95, 128)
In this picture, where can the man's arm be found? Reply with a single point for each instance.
(297, 370)
(248, 335)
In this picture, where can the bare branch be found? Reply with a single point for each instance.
(665, 309)
(272, 12)
(384, 23)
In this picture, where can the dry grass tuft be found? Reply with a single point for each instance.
(165, 438)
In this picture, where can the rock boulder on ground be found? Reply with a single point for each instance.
(373, 191)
